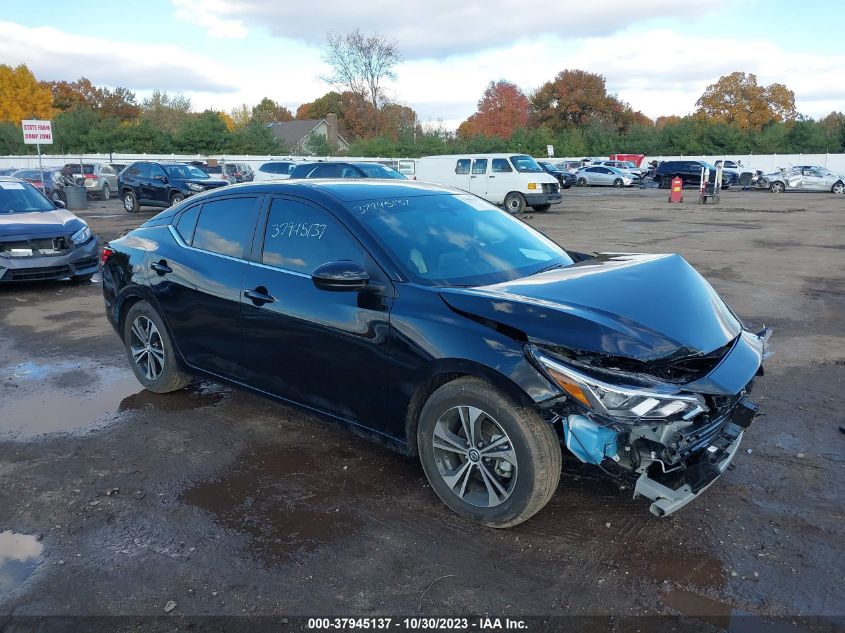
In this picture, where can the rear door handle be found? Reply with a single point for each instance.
(259, 296)
(161, 268)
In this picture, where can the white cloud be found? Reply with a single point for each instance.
(212, 15)
(436, 28)
(55, 55)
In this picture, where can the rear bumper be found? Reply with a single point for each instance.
(538, 199)
(84, 260)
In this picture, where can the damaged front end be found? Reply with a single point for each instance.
(673, 424)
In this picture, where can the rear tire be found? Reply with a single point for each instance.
(488, 458)
(514, 203)
(150, 350)
(130, 202)
(106, 193)
(666, 182)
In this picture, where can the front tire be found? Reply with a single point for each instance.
(514, 203)
(838, 188)
(488, 458)
(150, 350)
(777, 187)
(581, 182)
(130, 202)
(618, 183)
(176, 198)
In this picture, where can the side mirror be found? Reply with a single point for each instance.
(58, 204)
(340, 276)
(161, 178)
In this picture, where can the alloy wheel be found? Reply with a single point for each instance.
(106, 192)
(128, 202)
(474, 456)
(146, 347)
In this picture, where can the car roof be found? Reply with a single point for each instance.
(341, 189)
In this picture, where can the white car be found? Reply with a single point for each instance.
(806, 178)
(622, 165)
(274, 170)
(598, 175)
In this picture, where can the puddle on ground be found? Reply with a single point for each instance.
(19, 556)
(700, 607)
(683, 568)
(40, 398)
(293, 499)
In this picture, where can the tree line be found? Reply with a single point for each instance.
(572, 111)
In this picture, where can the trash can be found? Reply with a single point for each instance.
(75, 196)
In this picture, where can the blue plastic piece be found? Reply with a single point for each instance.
(588, 441)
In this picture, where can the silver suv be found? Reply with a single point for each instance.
(99, 179)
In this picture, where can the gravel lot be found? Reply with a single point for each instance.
(116, 500)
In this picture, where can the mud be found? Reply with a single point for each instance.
(229, 504)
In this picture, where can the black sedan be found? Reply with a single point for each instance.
(442, 326)
(565, 178)
(39, 239)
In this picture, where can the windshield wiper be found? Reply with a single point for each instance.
(548, 268)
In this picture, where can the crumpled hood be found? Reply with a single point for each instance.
(43, 223)
(642, 307)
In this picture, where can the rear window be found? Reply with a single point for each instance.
(75, 168)
(225, 226)
(276, 168)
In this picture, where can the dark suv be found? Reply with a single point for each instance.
(689, 171)
(151, 184)
(565, 179)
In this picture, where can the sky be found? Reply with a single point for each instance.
(658, 55)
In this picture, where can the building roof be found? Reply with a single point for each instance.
(292, 132)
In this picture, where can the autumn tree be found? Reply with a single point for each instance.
(503, 109)
(738, 99)
(241, 116)
(166, 112)
(22, 96)
(268, 111)
(329, 103)
(576, 97)
(361, 64)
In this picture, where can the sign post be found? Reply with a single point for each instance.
(37, 133)
(550, 149)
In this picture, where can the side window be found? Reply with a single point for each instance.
(300, 238)
(143, 170)
(479, 166)
(106, 170)
(187, 222)
(156, 172)
(462, 166)
(225, 226)
(326, 170)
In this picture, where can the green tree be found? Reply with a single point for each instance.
(166, 112)
(254, 138)
(317, 145)
(202, 133)
(268, 111)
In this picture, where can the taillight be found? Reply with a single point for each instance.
(90, 177)
(107, 252)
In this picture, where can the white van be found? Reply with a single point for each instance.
(511, 180)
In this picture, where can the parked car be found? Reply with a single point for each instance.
(40, 239)
(571, 166)
(689, 171)
(99, 179)
(565, 179)
(336, 169)
(275, 170)
(622, 165)
(8, 171)
(745, 176)
(599, 175)
(806, 178)
(152, 184)
(447, 329)
(511, 180)
(54, 183)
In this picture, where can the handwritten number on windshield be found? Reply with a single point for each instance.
(297, 229)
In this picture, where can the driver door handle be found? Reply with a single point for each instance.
(259, 296)
(161, 267)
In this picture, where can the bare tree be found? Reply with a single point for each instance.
(361, 64)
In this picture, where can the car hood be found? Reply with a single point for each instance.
(44, 223)
(644, 307)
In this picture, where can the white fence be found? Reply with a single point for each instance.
(765, 162)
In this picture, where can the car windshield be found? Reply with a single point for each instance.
(628, 164)
(457, 240)
(21, 197)
(525, 164)
(29, 174)
(185, 171)
(380, 171)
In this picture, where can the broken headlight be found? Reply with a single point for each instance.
(81, 236)
(660, 401)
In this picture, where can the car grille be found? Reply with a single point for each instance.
(550, 187)
(35, 274)
(85, 263)
(39, 247)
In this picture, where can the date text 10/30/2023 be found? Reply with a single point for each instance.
(418, 623)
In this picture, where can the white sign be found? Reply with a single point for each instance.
(37, 132)
(551, 150)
